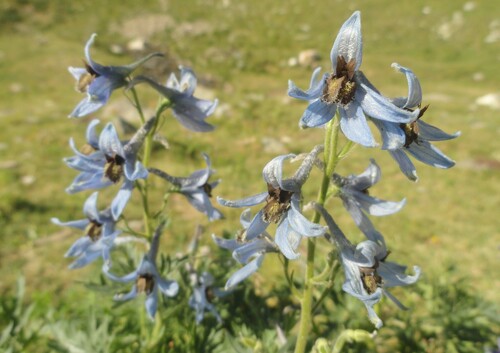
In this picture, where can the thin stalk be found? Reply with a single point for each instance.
(137, 104)
(330, 159)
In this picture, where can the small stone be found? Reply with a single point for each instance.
(116, 49)
(292, 62)
(426, 10)
(490, 100)
(308, 58)
(8, 164)
(469, 6)
(138, 44)
(478, 76)
(16, 87)
(447, 29)
(28, 179)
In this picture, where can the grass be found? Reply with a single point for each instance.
(240, 51)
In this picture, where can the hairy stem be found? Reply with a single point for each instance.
(330, 159)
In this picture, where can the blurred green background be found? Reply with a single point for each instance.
(243, 53)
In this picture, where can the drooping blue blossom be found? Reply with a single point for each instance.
(147, 278)
(353, 190)
(347, 91)
(190, 111)
(111, 162)
(282, 205)
(367, 273)
(196, 188)
(99, 234)
(203, 293)
(248, 252)
(413, 138)
(98, 81)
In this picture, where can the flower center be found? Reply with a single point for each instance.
(145, 283)
(94, 230)
(208, 189)
(340, 87)
(86, 79)
(412, 130)
(277, 203)
(371, 280)
(113, 169)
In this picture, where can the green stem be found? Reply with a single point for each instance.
(137, 104)
(330, 159)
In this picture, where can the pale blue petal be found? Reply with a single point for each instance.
(287, 240)
(246, 202)
(375, 206)
(405, 164)
(244, 272)
(86, 181)
(317, 114)
(257, 226)
(393, 136)
(127, 296)
(301, 224)
(349, 42)
(432, 133)
(91, 135)
(90, 207)
(84, 259)
(79, 247)
(134, 171)
(367, 179)
(228, 244)
(188, 81)
(428, 154)
(414, 98)
(393, 276)
(245, 252)
(109, 143)
(354, 125)
(315, 87)
(378, 107)
(151, 303)
(273, 171)
(86, 106)
(77, 72)
(78, 224)
(121, 199)
(168, 288)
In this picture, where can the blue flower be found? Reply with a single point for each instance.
(99, 234)
(190, 111)
(109, 163)
(203, 292)
(353, 190)
(282, 205)
(347, 91)
(413, 138)
(196, 188)
(367, 273)
(248, 252)
(98, 81)
(147, 278)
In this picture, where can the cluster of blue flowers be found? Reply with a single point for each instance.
(106, 160)
(345, 94)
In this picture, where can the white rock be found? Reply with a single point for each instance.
(478, 76)
(138, 44)
(469, 6)
(491, 100)
(28, 179)
(447, 29)
(309, 57)
(426, 10)
(292, 62)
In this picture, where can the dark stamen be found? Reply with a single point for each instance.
(277, 203)
(113, 169)
(145, 283)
